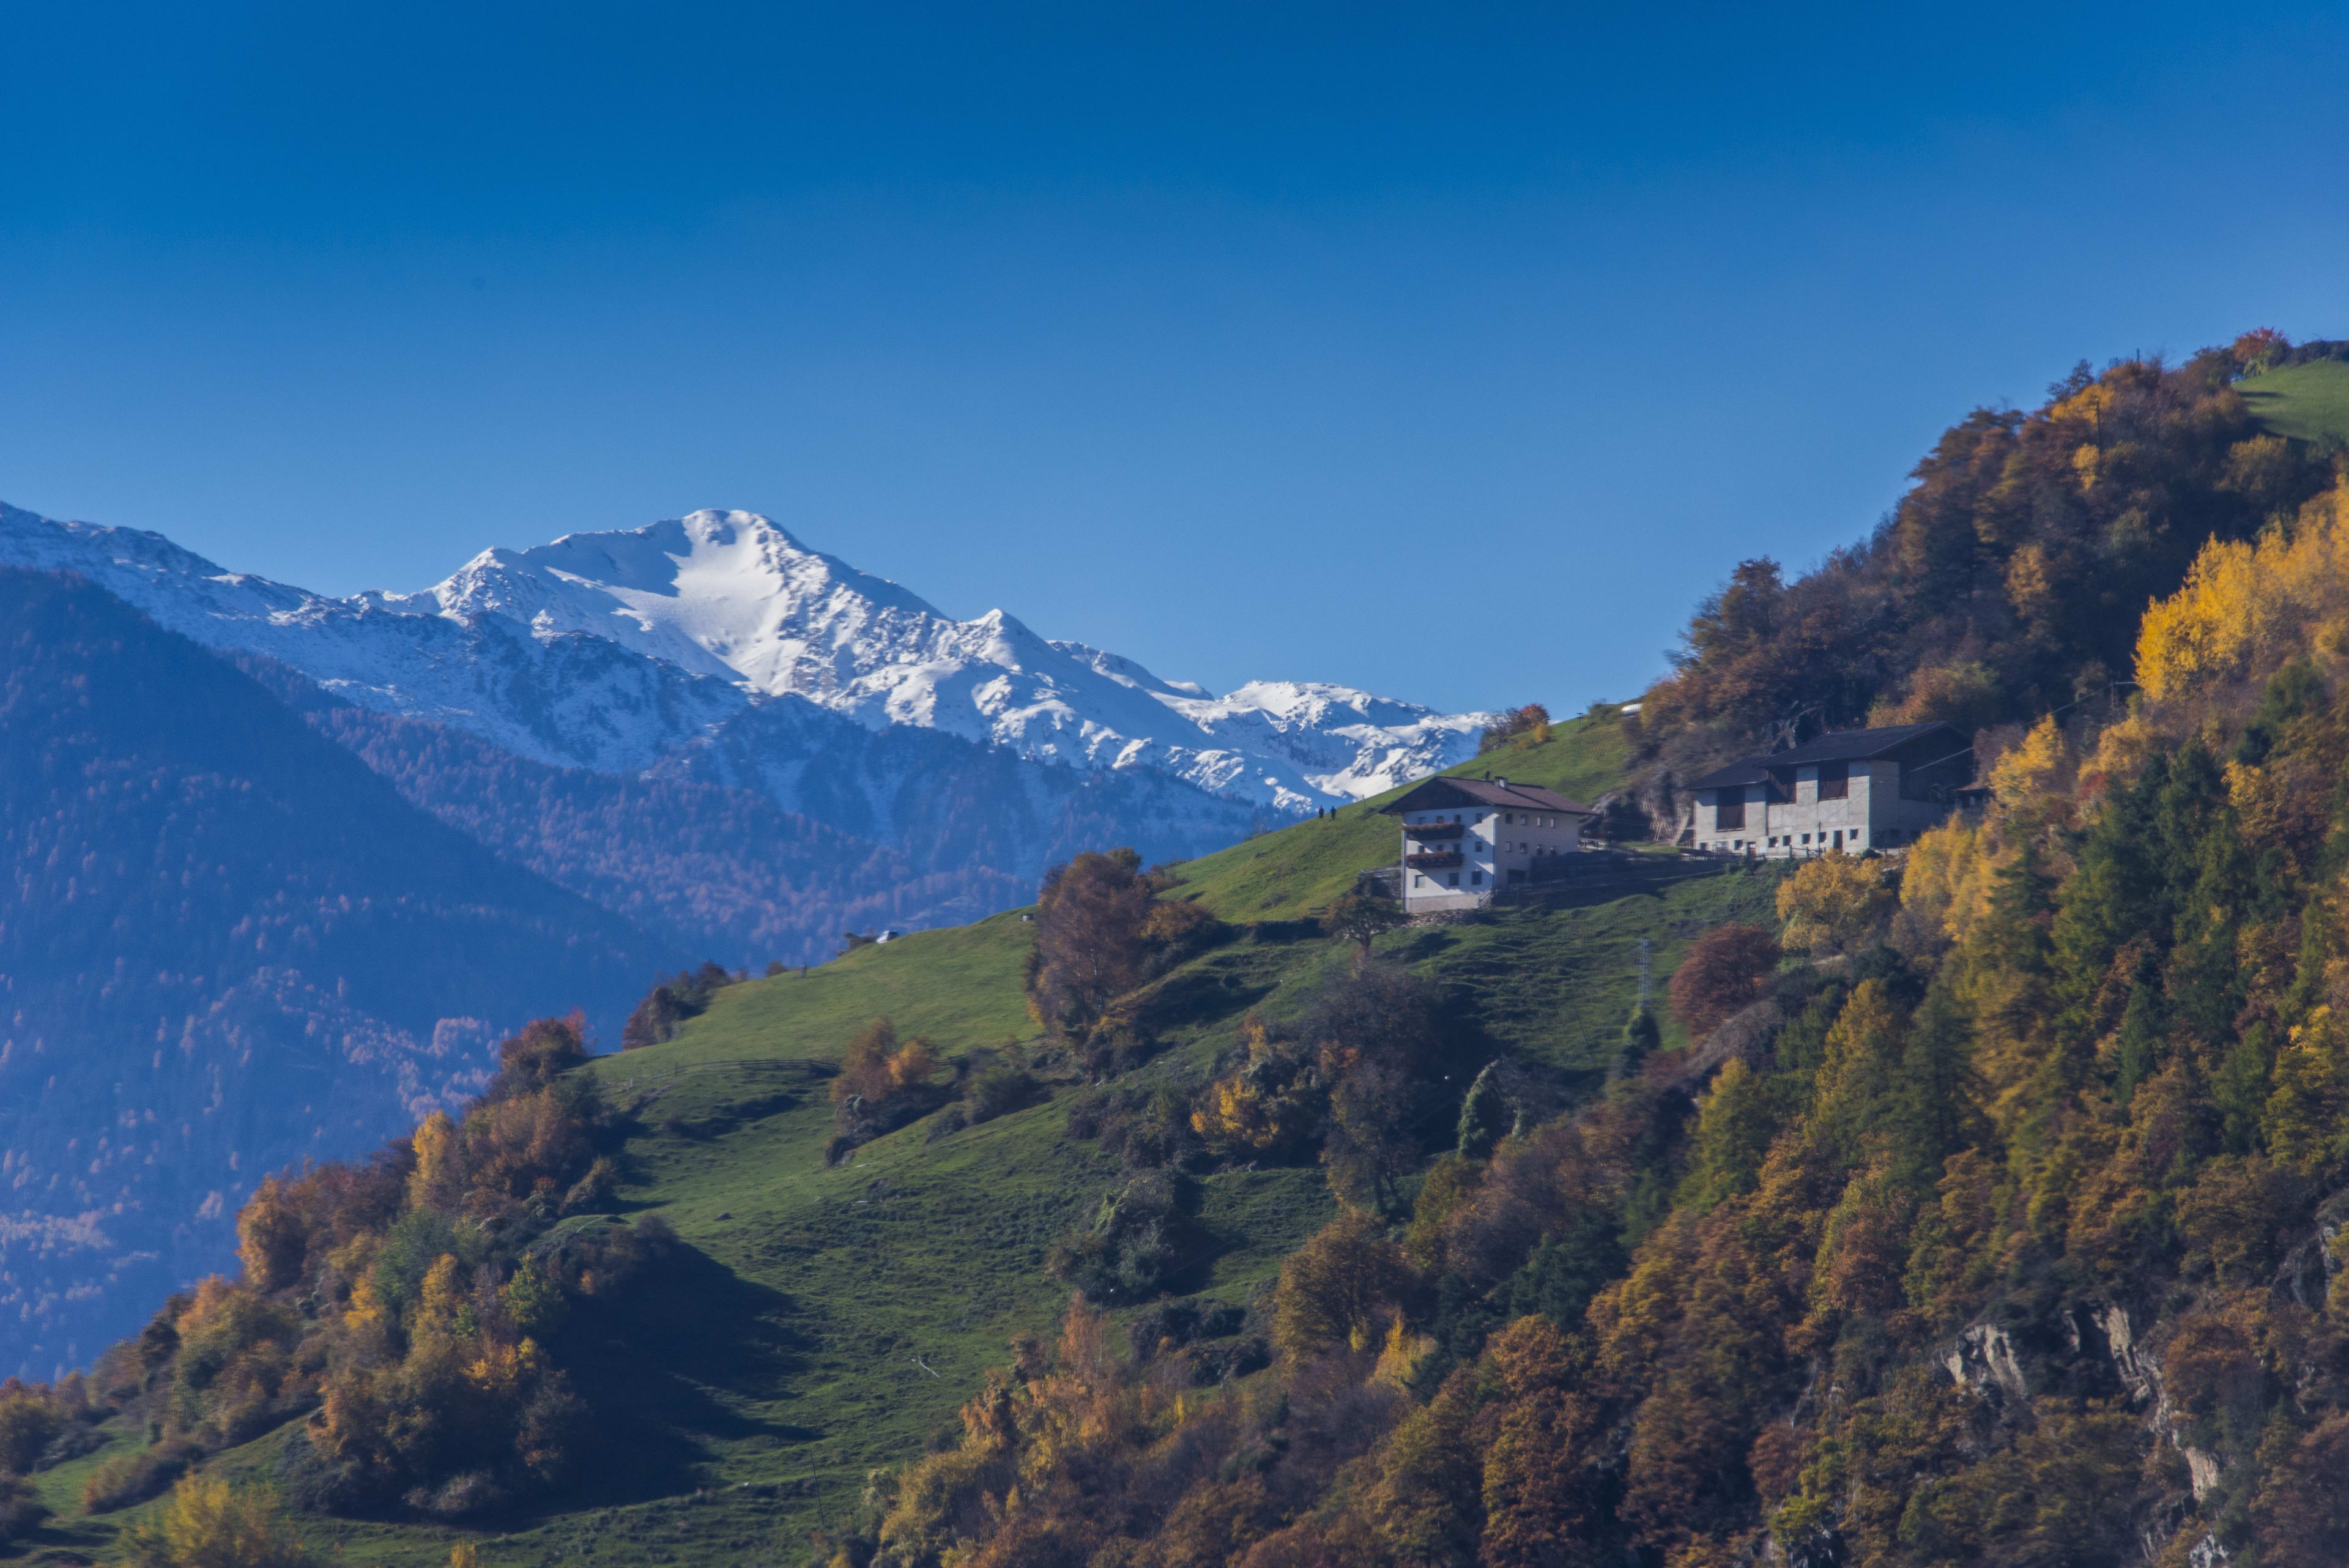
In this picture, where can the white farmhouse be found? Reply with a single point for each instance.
(1854, 790)
(1465, 839)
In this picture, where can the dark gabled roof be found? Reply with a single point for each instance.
(1434, 795)
(1749, 772)
(1861, 745)
(1835, 746)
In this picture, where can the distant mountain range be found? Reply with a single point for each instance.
(624, 650)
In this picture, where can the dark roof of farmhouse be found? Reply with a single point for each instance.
(1435, 794)
(1841, 747)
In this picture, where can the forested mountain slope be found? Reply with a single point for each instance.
(226, 944)
(949, 804)
(718, 872)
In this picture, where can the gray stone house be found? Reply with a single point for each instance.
(1854, 790)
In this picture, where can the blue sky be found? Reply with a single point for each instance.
(1450, 355)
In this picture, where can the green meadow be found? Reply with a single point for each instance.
(2307, 402)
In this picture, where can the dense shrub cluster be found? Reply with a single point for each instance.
(1141, 1238)
(211, 1523)
(670, 1002)
(1147, 1125)
(880, 1084)
(1343, 1084)
(411, 1308)
(999, 1090)
(40, 1425)
(1528, 725)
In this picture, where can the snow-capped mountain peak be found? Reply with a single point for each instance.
(737, 610)
(720, 593)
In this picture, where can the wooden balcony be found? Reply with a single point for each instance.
(1427, 831)
(1434, 860)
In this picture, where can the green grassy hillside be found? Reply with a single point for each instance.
(825, 1321)
(2308, 402)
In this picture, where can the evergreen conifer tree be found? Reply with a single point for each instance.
(1640, 1038)
(1485, 1116)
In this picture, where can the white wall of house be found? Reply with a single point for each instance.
(1870, 816)
(1497, 849)
(1432, 884)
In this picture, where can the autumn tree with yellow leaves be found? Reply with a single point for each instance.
(210, 1522)
(1835, 904)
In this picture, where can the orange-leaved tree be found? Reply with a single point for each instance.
(1727, 970)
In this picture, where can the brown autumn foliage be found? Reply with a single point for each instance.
(875, 1067)
(882, 1084)
(1727, 970)
(1528, 725)
(1090, 947)
(1102, 931)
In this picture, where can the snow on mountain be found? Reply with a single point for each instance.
(574, 701)
(612, 649)
(731, 593)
